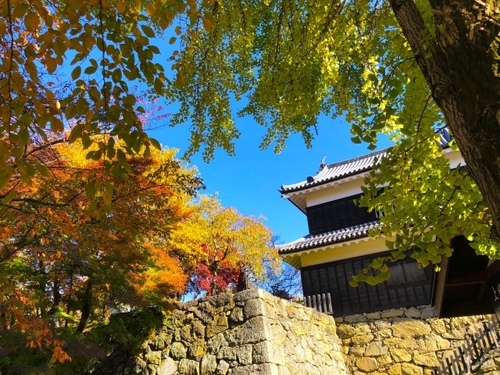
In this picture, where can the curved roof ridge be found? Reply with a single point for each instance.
(345, 168)
(357, 158)
(337, 236)
(337, 170)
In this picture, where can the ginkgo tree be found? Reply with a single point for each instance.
(229, 247)
(404, 68)
(399, 67)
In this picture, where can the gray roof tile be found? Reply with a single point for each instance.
(318, 240)
(337, 171)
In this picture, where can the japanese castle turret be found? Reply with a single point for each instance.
(338, 246)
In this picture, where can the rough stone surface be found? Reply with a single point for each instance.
(392, 313)
(246, 333)
(409, 342)
(367, 364)
(254, 333)
(355, 318)
(222, 368)
(208, 364)
(153, 357)
(401, 355)
(409, 369)
(167, 367)
(413, 313)
(425, 359)
(375, 349)
(428, 312)
(410, 327)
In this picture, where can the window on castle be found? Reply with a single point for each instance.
(342, 213)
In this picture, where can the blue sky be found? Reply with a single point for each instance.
(250, 180)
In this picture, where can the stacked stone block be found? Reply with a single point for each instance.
(247, 333)
(407, 341)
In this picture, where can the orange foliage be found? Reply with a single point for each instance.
(76, 239)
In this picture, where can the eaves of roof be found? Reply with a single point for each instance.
(324, 239)
(346, 168)
(336, 171)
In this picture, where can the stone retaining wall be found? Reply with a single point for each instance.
(247, 333)
(406, 341)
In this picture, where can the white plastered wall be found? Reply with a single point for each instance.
(339, 191)
(350, 187)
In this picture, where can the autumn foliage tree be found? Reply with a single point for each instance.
(397, 67)
(74, 62)
(69, 259)
(229, 246)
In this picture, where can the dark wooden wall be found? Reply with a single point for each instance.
(408, 286)
(339, 214)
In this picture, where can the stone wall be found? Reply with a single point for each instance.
(407, 341)
(247, 333)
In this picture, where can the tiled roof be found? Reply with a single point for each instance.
(341, 235)
(336, 171)
(340, 170)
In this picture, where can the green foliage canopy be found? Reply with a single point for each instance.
(294, 60)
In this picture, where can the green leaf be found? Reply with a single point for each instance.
(56, 125)
(24, 135)
(43, 169)
(5, 174)
(92, 208)
(76, 133)
(8, 198)
(90, 69)
(122, 158)
(94, 155)
(75, 74)
(86, 141)
(108, 194)
(110, 153)
(155, 143)
(148, 31)
(91, 189)
(356, 140)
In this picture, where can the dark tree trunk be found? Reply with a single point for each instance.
(242, 283)
(463, 72)
(213, 287)
(3, 317)
(86, 306)
(56, 296)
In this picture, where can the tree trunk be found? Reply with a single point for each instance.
(462, 69)
(242, 283)
(86, 306)
(56, 296)
(213, 287)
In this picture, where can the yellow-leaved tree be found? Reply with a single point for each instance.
(226, 247)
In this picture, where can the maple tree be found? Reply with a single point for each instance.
(65, 258)
(229, 246)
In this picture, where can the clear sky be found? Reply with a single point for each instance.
(250, 180)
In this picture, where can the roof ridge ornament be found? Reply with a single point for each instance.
(322, 164)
